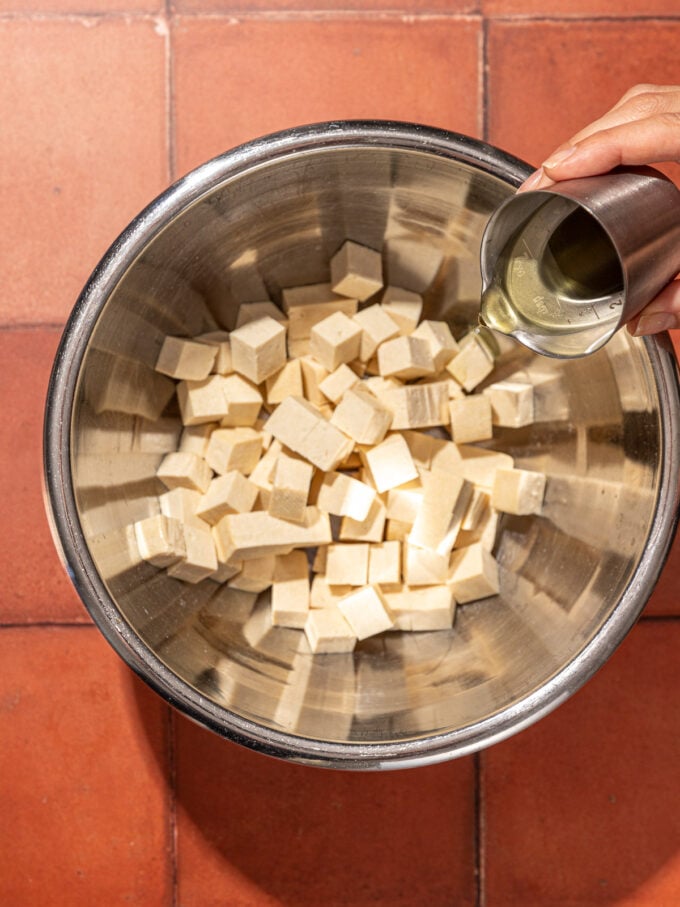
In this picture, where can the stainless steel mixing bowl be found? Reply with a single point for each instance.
(573, 581)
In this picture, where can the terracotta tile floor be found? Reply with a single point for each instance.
(109, 797)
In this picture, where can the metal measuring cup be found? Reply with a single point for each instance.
(563, 268)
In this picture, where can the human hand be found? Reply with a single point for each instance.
(642, 128)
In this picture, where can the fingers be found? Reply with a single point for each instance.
(642, 128)
(662, 314)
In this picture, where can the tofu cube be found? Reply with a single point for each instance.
(256, 574)
(471, 419)
(244, 536)
(376, 327)
(362, 416)
(243, 400)
(512, 403)
(287, 382)
(195, 438)
(403, 306)
(202, 401)
(185, 470)
(472, 364)
(234, 448)
(290, 590)
(347, 564)
(291, 481)
(421, 609)
(306, 306)
(440, 340)
(323, 595)
(253, 311)
(445, 499)
(419, 405)
(185, 359)
(384, 563)
(473, 574)
(258, 348)
(405, 357)
(335, 384)
(404, 503)
(160, 540)
(390, 463)
(356, 271)
(335, 340)
(518, 491)
(313, 374)
(299, 426)
(327, 631)
(220, 341)
(424, 567)
(228, 493)
(343, 495)
(368, 530)
(366, 612)
(200, 560)
(182, 504)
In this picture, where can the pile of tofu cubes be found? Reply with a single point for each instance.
(328, 454)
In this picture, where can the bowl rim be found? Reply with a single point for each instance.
(69, 538)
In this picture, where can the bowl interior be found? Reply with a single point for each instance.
(275, 223)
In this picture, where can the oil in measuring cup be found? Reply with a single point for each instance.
(556, 281)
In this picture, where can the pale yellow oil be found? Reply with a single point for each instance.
(555, 279)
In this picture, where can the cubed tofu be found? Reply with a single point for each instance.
(185, 359)
(229, 493)
(253, 311)
(258, 348)
(384, 563)
(440, 340)
(403, 306)
(182, 504)
(327, 631)
(369, 529)
(472, 364)
(342, 495)
(220, 341)
(518, 491)
(307, 305)
(243, 536)
(160, 540)
(299, 426)
(356, 271)
(405, 357)
(347, 564)
(471, 419)
(234, 448)
(512, 403)
(323, 595)
(445, 499)
(202, 401)
(424, 567)
(195, 438)
(335, 384)
(335, 340)
(184, 470)
(473, 574)
(362, 416)
(255, 575)
(390, 463)
(376, 327)
(244, 402)
(200, 560)
(421, 608)
(366, 612)
(418, 405)
(291, 481)
(313, 374)
(290, 590)
(404, 503)
(287, 382)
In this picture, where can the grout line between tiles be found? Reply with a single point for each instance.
(8, 327)
(477, 833)
(45, 624)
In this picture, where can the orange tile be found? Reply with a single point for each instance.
(86, 7)
(581, 808)
(576, 9)
(85, 816)
(257, 832)
(235, 80)
(283, 6)
(34, 584)
(665, 598)
(548, 79)
(83, 136)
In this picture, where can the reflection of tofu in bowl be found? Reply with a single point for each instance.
(307, 500)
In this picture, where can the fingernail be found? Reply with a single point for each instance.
(559, 157)
(532, 181)
(653, 324)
